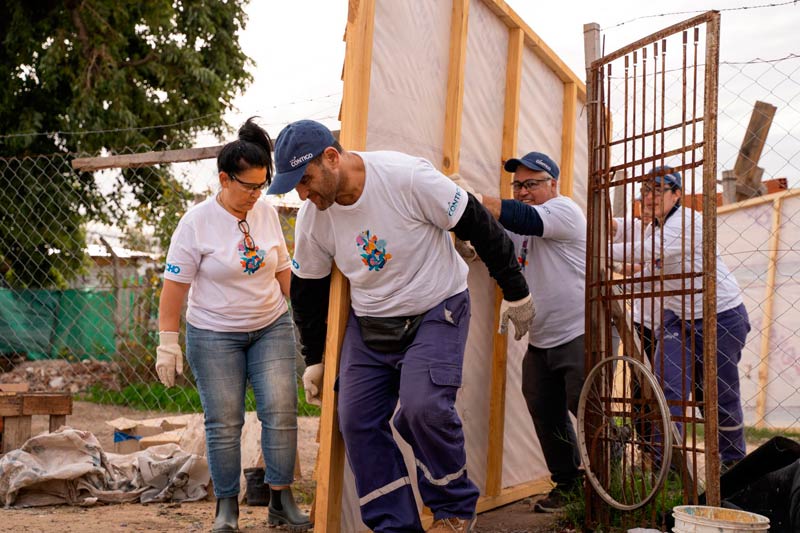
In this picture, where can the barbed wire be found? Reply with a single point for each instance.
(142, 128)
(742, 8)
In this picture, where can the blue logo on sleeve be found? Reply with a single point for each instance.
(295, 264)
(173, 269)
(452, 206)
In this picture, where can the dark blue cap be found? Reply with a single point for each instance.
(666, 175)
(297, 144)
(534, 161)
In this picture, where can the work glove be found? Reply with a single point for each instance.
(520, 312)
(464, 248)
(169, 358)
(312, 382)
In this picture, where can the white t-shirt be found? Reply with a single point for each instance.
(646, 307)
(232, 290)
(393, 243)
(678, 258)
(554, 266)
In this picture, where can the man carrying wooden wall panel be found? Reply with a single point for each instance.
(384, 218)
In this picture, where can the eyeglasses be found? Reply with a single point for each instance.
(529, 185)
(249, 187)
(249, 244)
(655, 191)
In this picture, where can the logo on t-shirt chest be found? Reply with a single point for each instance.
(372, 250)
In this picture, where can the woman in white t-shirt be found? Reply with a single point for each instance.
(228, 253)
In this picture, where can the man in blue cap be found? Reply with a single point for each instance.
(385, 218)
(549, 235)
(673, 245)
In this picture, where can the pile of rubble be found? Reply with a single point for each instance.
(57, 375)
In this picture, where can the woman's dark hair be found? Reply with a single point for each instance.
(253, 149)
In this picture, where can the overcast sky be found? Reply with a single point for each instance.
(298, 52)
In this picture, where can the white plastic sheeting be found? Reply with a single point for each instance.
(744, 238)
(407, 96)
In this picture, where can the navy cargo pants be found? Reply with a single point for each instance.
(425, 379)
(674, 364)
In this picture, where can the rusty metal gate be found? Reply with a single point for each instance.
(652, 273)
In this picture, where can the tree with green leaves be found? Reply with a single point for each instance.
(92, 76)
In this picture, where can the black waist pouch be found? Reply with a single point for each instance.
(389, 334)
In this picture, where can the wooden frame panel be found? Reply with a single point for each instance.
(354, 127)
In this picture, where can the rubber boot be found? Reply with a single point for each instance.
(227, 518)
(284, 511)
(257, 491)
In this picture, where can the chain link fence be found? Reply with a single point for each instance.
(82, 259)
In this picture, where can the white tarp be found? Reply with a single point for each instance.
(69, 466)
(744, 238)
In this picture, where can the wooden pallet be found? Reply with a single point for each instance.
(17, 408)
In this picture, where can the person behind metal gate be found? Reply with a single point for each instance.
(228, 253)
(385, 218)
(549, 235)
(674, 245)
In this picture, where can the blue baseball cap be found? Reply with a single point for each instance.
(297, 144)
(534, 161)
(666, 175)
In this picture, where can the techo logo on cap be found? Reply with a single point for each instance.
(543, 164)
(296, 161)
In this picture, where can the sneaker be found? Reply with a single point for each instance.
(554, 502)
(451, 524)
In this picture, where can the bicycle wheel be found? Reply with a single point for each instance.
(624, 432)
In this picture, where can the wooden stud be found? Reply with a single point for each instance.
(16, 430)
(35, 403)
(766, 323)
(355, 106)
(540, 48)
(56, 421)
(566, 178)
(455, 87)
(497, 395)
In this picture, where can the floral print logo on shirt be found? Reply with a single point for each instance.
(374, 254)
(251, 258)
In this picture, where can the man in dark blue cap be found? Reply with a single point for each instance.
(673, 246)
(549, 235)
(385, 218)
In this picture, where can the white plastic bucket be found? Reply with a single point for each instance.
(704, 519)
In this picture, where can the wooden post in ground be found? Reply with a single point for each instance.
(753, 144)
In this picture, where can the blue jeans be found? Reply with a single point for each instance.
(222, 363)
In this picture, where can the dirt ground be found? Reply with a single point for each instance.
(198, 516)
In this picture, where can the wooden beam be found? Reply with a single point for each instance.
(511, 19)
(35, 403)
(455, 87)
(497, 394)
(16, 430)
(766, 323)
(790, 193)
(566, 179)
(513, 494)
(355, 107)
(145, 159)
(753, 144)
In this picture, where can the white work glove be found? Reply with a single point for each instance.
(312, 383)
(169, 358)
(520, 312)
(465, 248)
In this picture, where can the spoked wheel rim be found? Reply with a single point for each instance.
(629, 438)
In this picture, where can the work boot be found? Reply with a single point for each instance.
(257, 491)
(453, 524)
(284, 511)
(227, 517)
